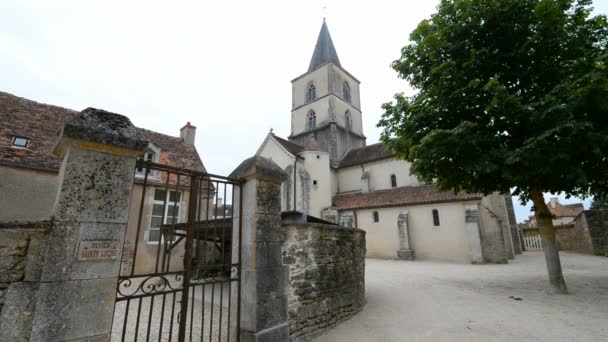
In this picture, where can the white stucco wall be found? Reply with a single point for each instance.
(349, 178)
(317, 165)
(27, 195)
(338, 76)
(299, 117)
(333, 174)
(272, 150)
(448, 241)
(299, 86)
(328, 79)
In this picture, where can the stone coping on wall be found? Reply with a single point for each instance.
(322, 226)
(39, 225)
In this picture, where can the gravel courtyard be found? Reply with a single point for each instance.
(438, 301)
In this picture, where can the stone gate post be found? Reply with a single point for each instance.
(263, 276)
(75, 298)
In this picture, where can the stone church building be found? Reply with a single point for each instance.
(336, 176)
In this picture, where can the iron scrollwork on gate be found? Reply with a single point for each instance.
(179, 278)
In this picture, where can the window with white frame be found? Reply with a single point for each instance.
(152, 155)
(149, 157)
(165, 210)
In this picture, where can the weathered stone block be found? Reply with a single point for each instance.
(268, 198)
(18, 311)
(279, 333)
(60, 251)
(261, 255)
(67, 310)
(271, 311)
(268, 228)
(34, 257)
(406, 254)
(96, 187)
(85, 269)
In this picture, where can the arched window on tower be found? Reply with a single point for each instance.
(393, 181)
(349, 121)
(346, 92)
(312, 120)
(311, 95)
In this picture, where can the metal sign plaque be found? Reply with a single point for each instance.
(97, 250)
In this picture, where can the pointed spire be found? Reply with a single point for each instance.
(324, 50)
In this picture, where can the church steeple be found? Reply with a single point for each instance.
(326, 106)
(324, 50)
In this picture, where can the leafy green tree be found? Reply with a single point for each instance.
(510, 94)
(599, 202)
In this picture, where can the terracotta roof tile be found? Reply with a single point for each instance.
(404, 196)
(567, 210)
(366, 154)
(42, 123)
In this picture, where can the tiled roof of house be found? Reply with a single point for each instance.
(293, 148)
(366, 154)
(174, 152)
(565, 210)
(42, 123)
(397, 197)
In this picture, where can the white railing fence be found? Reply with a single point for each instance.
(533, 242)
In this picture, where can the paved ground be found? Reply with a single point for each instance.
(154, 314)
(434, 301)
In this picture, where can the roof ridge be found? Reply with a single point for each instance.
(392, 189)
(366, 146)
(19, 98)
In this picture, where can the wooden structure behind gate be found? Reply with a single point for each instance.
(179, 280)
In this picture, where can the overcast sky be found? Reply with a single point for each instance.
(225, 66)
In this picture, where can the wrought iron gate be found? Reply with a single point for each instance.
(179, 280)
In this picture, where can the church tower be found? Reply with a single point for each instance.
(325, 103)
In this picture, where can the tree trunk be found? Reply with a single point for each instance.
(544, 220)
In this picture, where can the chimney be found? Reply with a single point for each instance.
(553, 202)
(187, 134)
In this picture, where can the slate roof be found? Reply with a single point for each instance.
(325, 50)
(42, 123)
(397, 197)
(293, 148)
(366, 154)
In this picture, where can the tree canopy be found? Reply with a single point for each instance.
(509, 94)
(600, 202)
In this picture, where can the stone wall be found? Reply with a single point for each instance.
(326, 276)
(566, 238)
(20, 248)
(594, 223)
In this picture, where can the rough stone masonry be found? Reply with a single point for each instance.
(326, 276)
